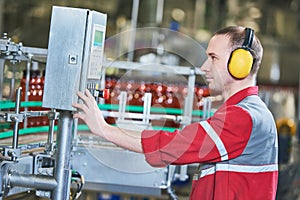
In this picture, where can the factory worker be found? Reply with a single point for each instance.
(236, 148)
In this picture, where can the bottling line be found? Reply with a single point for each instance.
(73, 161)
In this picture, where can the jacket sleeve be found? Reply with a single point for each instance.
(221, 137)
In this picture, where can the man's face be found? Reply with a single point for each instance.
(215, 67)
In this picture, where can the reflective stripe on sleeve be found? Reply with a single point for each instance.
(217, 140)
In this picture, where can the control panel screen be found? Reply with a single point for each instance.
(96, 55)
(98, 39)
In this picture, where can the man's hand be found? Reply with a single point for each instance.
(90, 113)
(92, 116)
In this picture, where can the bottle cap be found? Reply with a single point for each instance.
(106, 94)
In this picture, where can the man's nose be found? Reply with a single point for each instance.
(205, 66)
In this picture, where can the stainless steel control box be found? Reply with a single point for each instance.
(75, 55)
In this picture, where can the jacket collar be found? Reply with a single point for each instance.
(240, 95)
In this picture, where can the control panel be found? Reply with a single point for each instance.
(75, 55)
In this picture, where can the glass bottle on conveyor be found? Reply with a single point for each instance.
(34, 93)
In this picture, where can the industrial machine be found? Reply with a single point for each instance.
(74, 61)
(73, 162)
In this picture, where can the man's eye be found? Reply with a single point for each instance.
(213, 58)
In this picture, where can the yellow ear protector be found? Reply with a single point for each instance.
(241, 59)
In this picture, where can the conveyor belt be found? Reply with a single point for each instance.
(5, 105)
(129, 108)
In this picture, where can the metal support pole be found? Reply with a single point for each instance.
(28, 66)
(16, 123)
(53, 115)
(122, 109)
(159, 12)
(199, 17)
(187, 114)
(62, 172)
(147, 108)
(188, 103)
(2, 63)
(134, 18)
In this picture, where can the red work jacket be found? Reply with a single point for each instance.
(237, 148)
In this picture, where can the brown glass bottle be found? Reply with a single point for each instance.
(34, 93)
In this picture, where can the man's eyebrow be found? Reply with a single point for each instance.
(211, 54)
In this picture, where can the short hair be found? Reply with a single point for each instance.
(237, 36)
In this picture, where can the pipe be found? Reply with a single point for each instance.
(32, 181)
(62, 172)
(16, 122)
(159, 12)
(28, 66)
(188, 106)
(2, 63)
(50, 141)
(134, 17)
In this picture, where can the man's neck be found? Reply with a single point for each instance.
(236, 87)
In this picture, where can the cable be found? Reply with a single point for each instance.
(78, 179)
(30, 57)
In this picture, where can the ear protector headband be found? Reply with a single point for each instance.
(241, 59)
